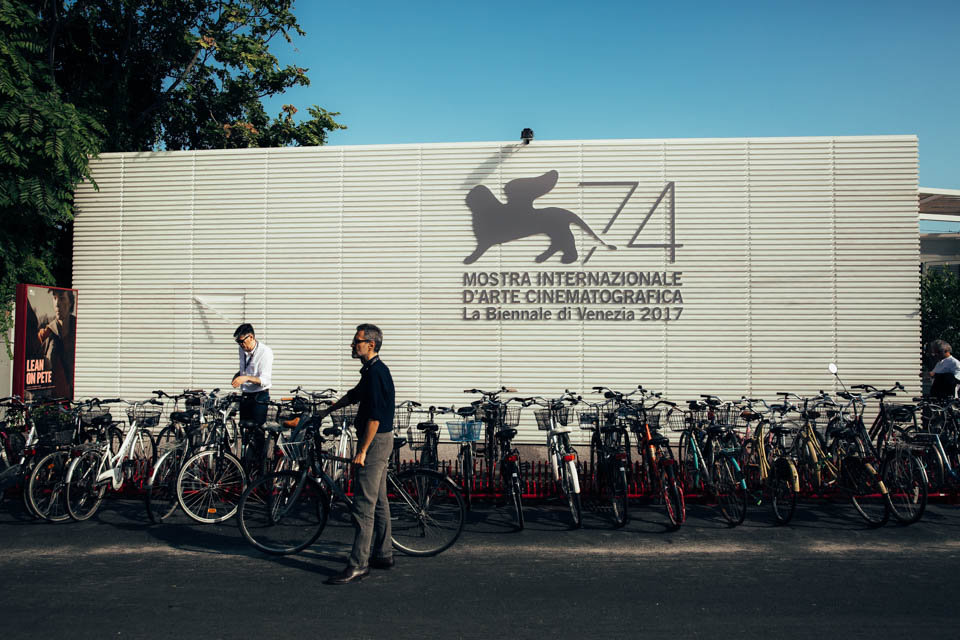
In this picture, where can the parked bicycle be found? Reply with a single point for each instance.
(610, 458)
(659, 472)
(285, 512)
(557, 417)
(98, 466)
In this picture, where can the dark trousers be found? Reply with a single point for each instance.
(254, 412)
(371, 509)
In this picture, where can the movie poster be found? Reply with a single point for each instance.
(45, 342)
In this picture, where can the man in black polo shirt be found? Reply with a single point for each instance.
(375, 395)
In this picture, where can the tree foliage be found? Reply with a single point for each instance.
(45, 144)
(939, 309)
(180, 74)
(82, 76)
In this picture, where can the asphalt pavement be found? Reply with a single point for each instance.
(824, 575)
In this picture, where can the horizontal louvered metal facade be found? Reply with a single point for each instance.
(789, 253)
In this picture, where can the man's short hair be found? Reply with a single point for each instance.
(940, 347)
(243, 330)
(372, 332)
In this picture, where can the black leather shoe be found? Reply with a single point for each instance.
(382, 563)
(350, 574)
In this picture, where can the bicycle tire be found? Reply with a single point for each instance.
(750, 464)
(619, 498)
(674, 503)
(84, 494)
(426, 511)
(691, 471)
(466, 474)
(516, 500)
(861, 482)
(573, 496)
(906, 481)
(283, 512)
(731, 495)
(428, 457)
(783, 494)
(209, 486)
(143, 453)
(169, 437)
(45, 490)
(161, 491)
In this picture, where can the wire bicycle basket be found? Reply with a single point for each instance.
(559, 415)
(145, 415)
(678, 420)
(344, 417)
(467, 429)
(54, 425)
(296, 451)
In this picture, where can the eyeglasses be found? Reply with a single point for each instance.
(243, 339)
(356, 342)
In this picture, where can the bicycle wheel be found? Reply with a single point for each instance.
(691, 473)
(783, 482)
(516, 500)
(906, 482)
(618, 496)
(672, 495)
(283, 512)
(428, 457)
(569, 486)
(161, 492)
(169, 437)
(862, 482)
(45, 490)
(84, 493)
(209, 486)
(143, 453)
(426, 511)
(731, 494)
(750, 464)
(466, 473)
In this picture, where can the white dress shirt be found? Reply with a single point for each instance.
(259, 364)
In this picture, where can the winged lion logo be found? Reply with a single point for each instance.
(495, 222)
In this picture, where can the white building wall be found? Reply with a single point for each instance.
(795, 252)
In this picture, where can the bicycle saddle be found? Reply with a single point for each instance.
(810, 414)
(750, 416)
(696, 405)
(718, 428)
(659, 440)
(185, 416)
(506, 434)
(332, 431)
(428, 426)
(467, 411)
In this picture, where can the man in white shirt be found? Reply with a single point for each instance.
(946, 374)
(253, 379)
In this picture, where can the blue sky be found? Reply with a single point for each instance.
(421, 71)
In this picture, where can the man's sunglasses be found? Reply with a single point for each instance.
(243, 339)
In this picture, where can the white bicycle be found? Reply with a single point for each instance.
(97, 466)
(554, 417)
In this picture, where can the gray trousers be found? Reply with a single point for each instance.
(370, 505)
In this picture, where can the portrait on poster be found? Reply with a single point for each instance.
(45, 342)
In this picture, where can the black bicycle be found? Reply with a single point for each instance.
(286, 511)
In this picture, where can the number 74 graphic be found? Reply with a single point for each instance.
(671, 245)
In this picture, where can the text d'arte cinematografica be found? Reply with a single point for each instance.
(576, 296)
